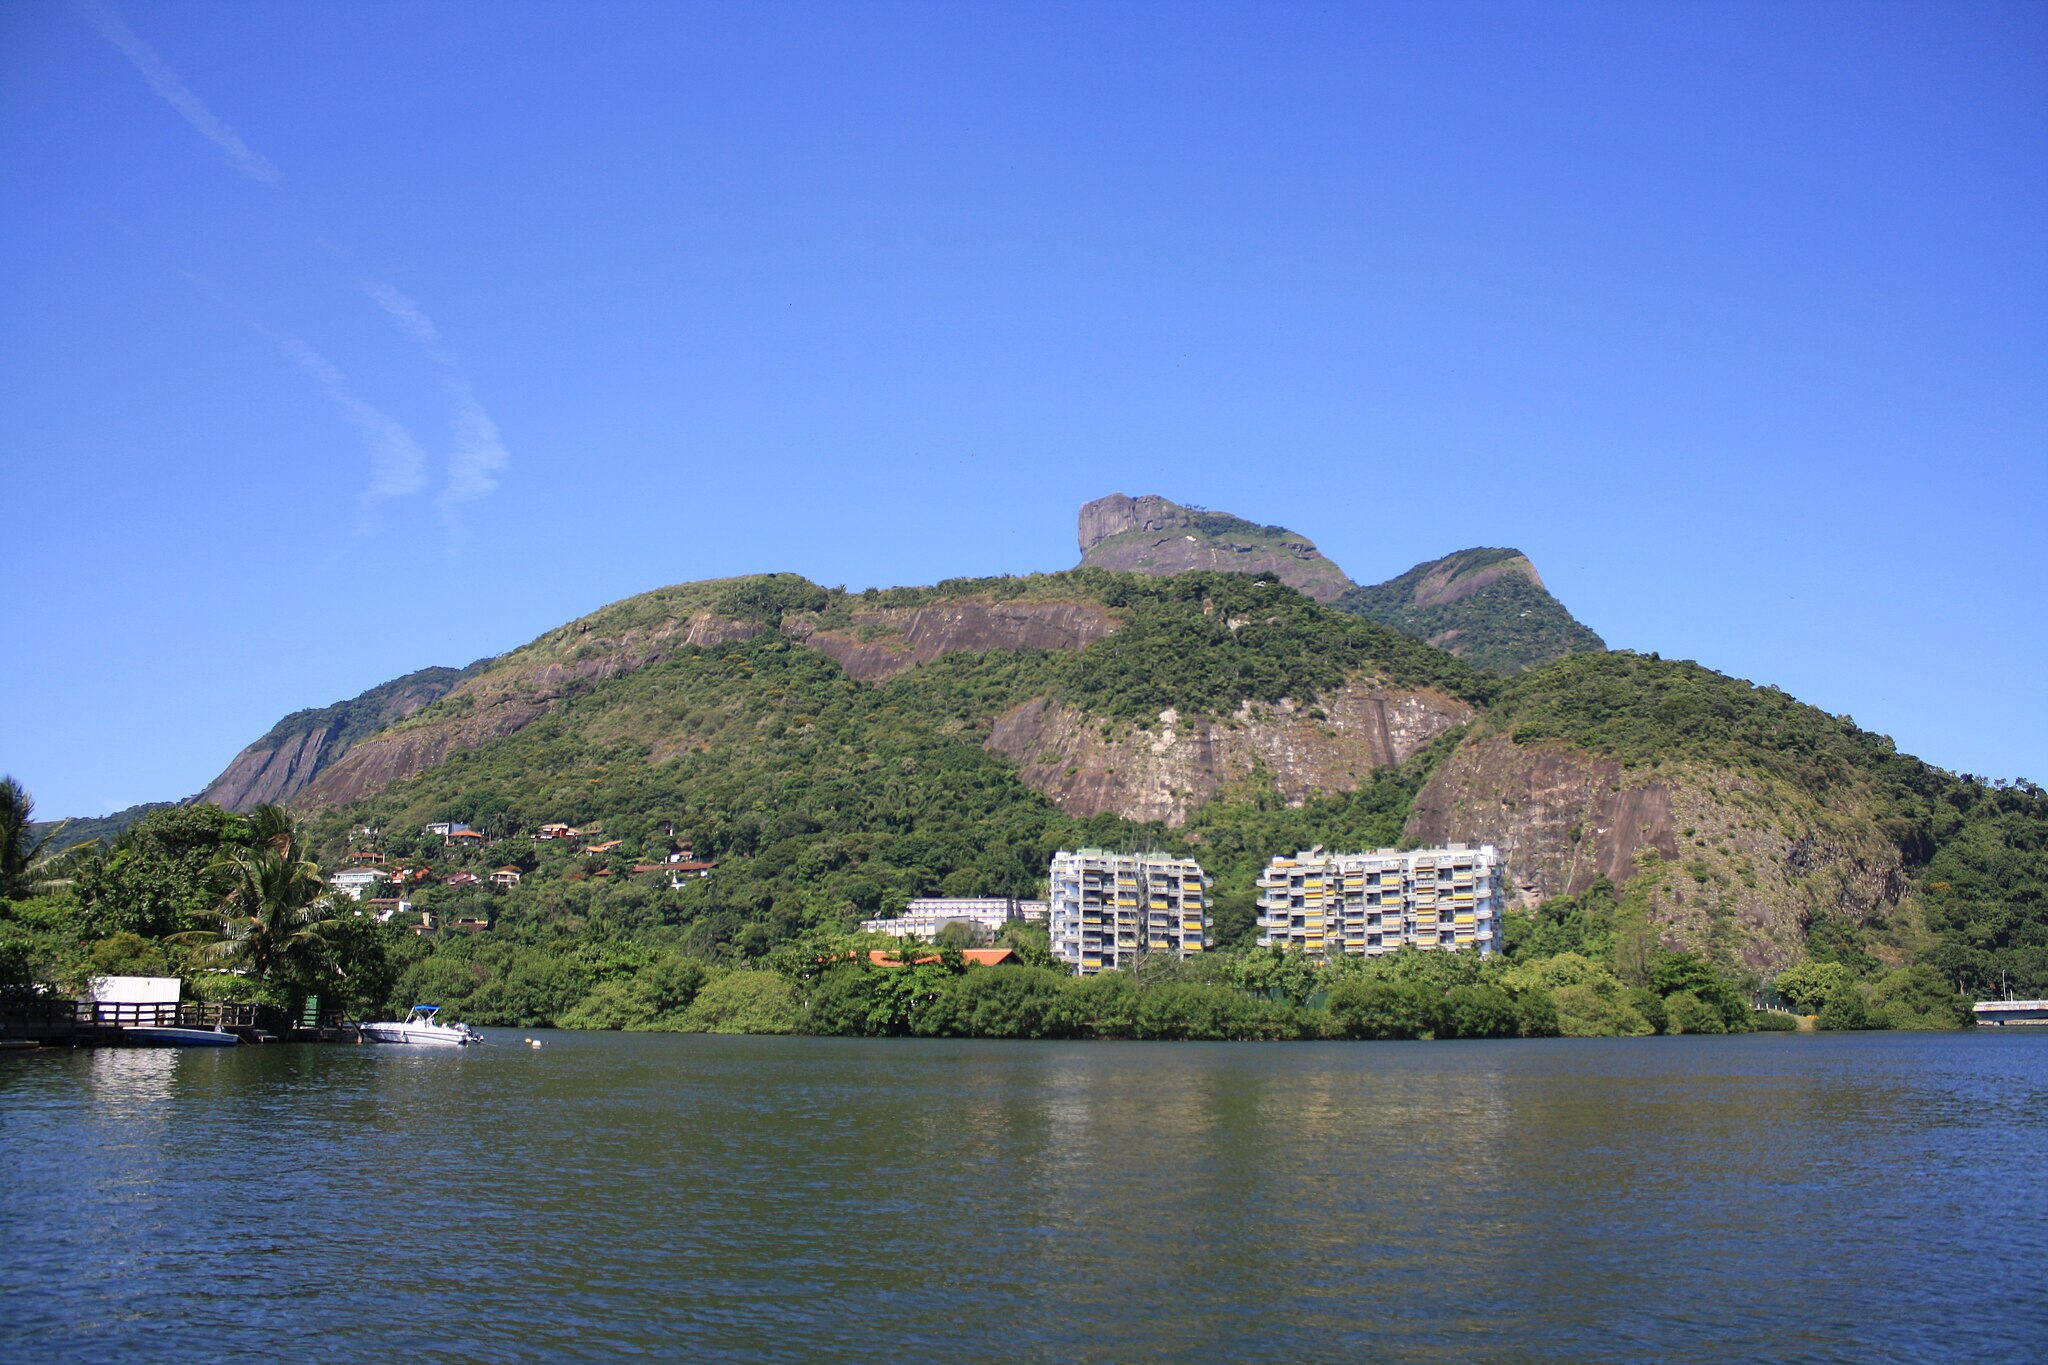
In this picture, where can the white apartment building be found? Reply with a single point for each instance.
(1110, 909)
(1324, 903)
(925, 918)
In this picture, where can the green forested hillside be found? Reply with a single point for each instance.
(1977, 851)
(827, 799)
(822, 799)
(1506, 625)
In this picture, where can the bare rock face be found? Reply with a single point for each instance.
(269, 773)
(279, 766)
(504, 700)
(887, 641)
(1170, 771)
(1116, 514)
(1560, 817)
(1447, 583)
(1737, 865)
(1150, 535)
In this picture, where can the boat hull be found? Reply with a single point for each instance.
(150, 1035)
(419, 1035)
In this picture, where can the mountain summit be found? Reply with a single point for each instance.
(1150, 535)
(1487, 606)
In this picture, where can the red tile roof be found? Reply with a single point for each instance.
(975, 957)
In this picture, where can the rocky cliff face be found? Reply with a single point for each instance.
(889, 640)
(1737, 866)
(277, 767)
(513, 695)
(1150, 535)
(507, 698)
(1168, 772)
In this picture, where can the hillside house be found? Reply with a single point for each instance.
(465, 838)
(505, 878)
(606, 847)
(462, 879)
(354, 882)
(449, 828)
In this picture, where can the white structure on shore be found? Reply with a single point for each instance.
(925, 918)
(1110, 909)
(1366, 904)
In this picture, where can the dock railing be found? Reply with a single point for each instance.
(96, 1021)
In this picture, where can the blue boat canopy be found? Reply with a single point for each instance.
(428, 1009)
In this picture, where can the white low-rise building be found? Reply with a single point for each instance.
(923, 919)
(355, 881)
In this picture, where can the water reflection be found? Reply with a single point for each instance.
(132, 1083)
(812, 1198)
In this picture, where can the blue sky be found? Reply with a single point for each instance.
(339, 340)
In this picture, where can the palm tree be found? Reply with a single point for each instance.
(273, 902)
(21, 852)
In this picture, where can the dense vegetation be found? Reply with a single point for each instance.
(232, 903)
(1977, 851)
(95, 829)
(822, 800)
(1507, 626)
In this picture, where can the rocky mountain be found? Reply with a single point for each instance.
(1329, 739)
(832, 747)
(1487, 606)
(1150, 535)
(284, 762)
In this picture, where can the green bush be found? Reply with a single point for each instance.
(1846, 1010)
(1690, 1014)
(998, 1002)
(1478, 1012)
(743, 1002)
(1649, 1006)
(1918, 997)
(1587, 1012)
(1371, 1007)
(1773, 1021)
(1536, 1015)
(1189, 1011)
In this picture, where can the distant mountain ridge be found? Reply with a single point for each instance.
(1151, 535)
(835, 750)
(280, 765)
(1488, 606)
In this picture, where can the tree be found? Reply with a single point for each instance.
(1480, 1012)
(23, 854)
(1807, 985)
(1368, 1007)
(271, 902)
(1845, 1010)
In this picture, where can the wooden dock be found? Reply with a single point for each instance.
(92, 1023)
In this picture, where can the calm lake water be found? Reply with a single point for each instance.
(1781, 1197)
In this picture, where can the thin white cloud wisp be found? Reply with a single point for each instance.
(176, 93)
(398, 467)
(479, 451)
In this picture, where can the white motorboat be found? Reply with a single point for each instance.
(159, 1035)
(420, 1026)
